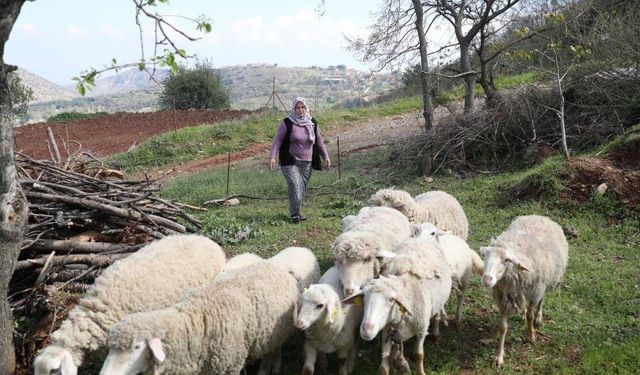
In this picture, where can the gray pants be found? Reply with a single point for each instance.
(297, 177)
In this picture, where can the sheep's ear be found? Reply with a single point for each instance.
(332, 310)
(67, 367)
(516, 261)
(355, 299)
(385, 254)
(416, 230)
(402, 305)
(156, 349)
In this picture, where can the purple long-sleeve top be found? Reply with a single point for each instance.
(300, 147)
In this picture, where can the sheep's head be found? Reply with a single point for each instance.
(390, 198)
(357, 257)
(55, 359)
(497, 260)
(141, 357)
(382, 305)
(319, 301)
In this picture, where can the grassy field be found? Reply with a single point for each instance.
(592, 320)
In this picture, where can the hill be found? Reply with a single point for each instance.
(45, 90)
(249, 86)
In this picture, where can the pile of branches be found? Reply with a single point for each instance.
(519, 128)
(82, 218)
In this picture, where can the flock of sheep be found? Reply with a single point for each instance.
(178, 306)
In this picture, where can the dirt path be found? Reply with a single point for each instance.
(357, 136)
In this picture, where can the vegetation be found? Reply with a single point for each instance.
(20, 95)
(74, 116)
(194, 88)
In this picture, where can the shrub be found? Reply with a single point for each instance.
(197, 88)
(74, 116)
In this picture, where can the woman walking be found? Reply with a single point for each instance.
(294, 141)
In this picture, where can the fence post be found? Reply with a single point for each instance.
(339, 166)
(228, 170)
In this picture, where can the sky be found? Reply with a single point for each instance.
(58, 39)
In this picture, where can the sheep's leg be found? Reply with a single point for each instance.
(538, 321)
(419, 353)
(459, 308)
(351, 360)
(531, 331)
(343, 361)
(435, 323)
(386, 351)
(504, 324)
(310, 355)
(270, 363)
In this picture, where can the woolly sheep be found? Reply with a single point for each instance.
(369, 236)
(461, 259)
(437, 207)
(525, 261)
(329, 327)
(214, 329)
(301, 263)
(237, 262)
(412, 289)
(177, 263)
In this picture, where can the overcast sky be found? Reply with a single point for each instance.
(57, 39)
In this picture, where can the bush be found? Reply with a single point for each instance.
(197, 88)
(74, 116)
(21, 95)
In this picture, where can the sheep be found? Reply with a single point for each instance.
(155, 276)
(413, 288)
(235, 263)
(525, 261)
(437, 207)
(214, 329)
(461, 258)
(300, 263)
(368, 237)
(329, 327)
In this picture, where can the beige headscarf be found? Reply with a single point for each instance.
(302, 120)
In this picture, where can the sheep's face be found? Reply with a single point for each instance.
(429, 232)
(316, 304)
(355, 272)
(138, 359)
(56, 360)
(382, 305)
(496, 262)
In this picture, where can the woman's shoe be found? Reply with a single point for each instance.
(296, 219)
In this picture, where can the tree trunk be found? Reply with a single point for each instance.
(425, 80)
(13, 204)
(469, 78)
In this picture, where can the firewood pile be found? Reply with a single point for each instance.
(82, 218)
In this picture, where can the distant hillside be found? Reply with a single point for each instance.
(249, 86)
(128, 81)
(44, 90)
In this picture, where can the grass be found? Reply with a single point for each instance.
(503, 82)
(214, 139)
(592, 320)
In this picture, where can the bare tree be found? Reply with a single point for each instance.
(393, 41)
(468, 18)
(13, 204)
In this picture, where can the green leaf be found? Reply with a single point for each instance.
(81, 89)
(114, 62)
(141, 65)
(182, 53)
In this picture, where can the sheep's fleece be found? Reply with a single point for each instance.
(216, 328)
(156, 276)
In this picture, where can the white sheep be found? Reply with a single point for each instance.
(215, 329)
(237, 262)
(155, 276)
(437, 207)
(462, 260)
(329, 327)
(301, 263)
(368, 237)
(412, 289)
(525, 261)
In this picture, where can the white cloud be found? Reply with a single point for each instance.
(303, 27)
(75, 31)
(108, 30)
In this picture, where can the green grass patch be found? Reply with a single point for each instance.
(74, 116)
(592, 320)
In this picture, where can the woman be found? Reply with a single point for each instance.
(294, 141)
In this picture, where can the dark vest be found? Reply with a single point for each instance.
(284, 155)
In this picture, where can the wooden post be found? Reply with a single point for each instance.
(228, 170)
(339, 166)
(55, 153)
